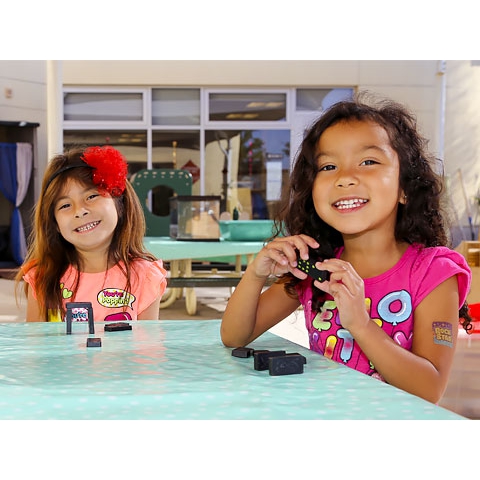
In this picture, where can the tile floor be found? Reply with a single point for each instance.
(462, 395)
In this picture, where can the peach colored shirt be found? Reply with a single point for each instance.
(106, 290)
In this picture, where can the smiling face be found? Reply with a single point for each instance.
(85, 218)
(356, 189)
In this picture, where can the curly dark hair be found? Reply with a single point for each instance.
(422, 220)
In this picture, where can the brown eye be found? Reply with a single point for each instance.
(327, 168)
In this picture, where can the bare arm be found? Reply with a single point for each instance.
(33, 311)
(249, 312)
(151, 312)
(424, 370)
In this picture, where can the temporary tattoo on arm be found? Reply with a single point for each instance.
(442, 333)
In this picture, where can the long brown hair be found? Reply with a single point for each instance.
(50, 254)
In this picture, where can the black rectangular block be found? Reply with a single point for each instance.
(289, 364)
(94, 342)
(260, 358)
(117, 327)
(242, 352)
(310, 269)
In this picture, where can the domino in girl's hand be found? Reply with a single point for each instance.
(311, 270)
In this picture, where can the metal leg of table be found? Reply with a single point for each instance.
(190, 295)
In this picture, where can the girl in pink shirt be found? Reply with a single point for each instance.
(365, 205)
(87, 244)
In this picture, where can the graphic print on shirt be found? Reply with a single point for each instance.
(118, 317)
(390, 311)
(108, 298)
(335, 342)
(66, 293)
(115, 298)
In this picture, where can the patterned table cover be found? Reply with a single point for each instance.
(180, 370)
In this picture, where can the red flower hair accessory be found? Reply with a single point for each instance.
(109, 168)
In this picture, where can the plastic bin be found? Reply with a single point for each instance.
(195, 217)
(246, 230)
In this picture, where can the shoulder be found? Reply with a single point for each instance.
(438, 257)
(439, 263)
(30, 271)
(29, 275)
(151, 270)
(150, 281)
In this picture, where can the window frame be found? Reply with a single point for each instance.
(146, 123)
(82, 124)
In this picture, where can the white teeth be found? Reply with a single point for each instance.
(87, 227)
(352, 203)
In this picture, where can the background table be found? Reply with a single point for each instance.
(180, 255)
(179, 370)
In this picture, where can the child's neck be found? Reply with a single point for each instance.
(371, 259)
(94, 262)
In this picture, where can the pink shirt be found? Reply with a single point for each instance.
(390, 299)
(106, 290)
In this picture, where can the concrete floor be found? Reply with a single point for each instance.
(10, 310)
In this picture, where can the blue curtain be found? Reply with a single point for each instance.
(8, 171)
(15, 171)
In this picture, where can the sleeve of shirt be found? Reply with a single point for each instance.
(29, 278)
(153, 285)
(436, 265)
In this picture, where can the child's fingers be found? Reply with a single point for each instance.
(343, 273)
(282, 253)
(286, 248)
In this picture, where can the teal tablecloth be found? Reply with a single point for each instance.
(179, 370)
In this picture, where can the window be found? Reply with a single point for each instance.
(107, 107)
(251, 107)
(318, 99)
(238, 144)
(178, 149)
(132, 143)
(251, 166)
(175, 106)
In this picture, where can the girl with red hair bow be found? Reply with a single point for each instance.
(87, 242)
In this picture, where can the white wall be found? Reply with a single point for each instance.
(27, 81)
(462, 135)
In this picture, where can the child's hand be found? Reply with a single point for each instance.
(347, 289)
(280, 256)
